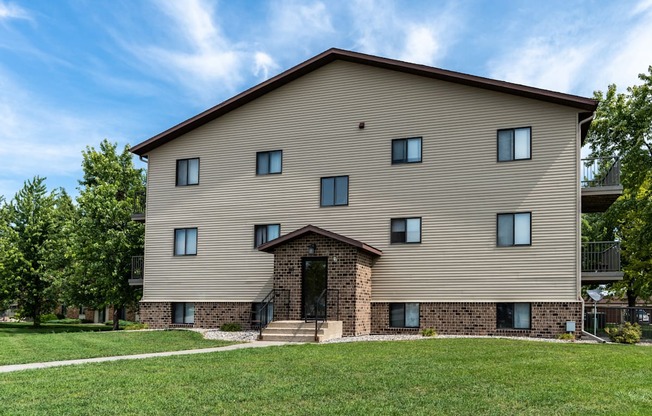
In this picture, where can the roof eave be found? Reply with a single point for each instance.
(582, 103)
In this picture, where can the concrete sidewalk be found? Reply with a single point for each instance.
(30, 366)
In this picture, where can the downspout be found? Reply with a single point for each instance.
(578, 222)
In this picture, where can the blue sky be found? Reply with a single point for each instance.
(75, 72)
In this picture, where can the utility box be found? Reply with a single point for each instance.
(570, 326)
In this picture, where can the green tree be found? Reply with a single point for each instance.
(105, 238)
(29, 238)
(6, 253)
(623, 127)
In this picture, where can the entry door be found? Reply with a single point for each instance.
(314, 273)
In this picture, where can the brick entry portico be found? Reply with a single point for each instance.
(349, 264)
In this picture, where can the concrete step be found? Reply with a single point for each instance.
(300, 331)
(299, 324)
(288, 338)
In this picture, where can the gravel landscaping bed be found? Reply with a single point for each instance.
(248, 336)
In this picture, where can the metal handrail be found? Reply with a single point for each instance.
(601, 171)
(324, 296)
(266, 302)
(601, 256)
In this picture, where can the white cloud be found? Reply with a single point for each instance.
(631, 54)
(381, 28)
(421, 45)
(543, 63)
(38, 138)
(578, 56)
(12, 11)
(263, 65)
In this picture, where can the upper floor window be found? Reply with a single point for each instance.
(514, 229)
(406, 230)
(334, 191)
(269, 162)
(514, 144)
(513, 315)
(404, 315)
(265, 233)
(188, 172)
(406, 150)
(185, 242)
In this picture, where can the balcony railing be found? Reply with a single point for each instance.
(137, 270)
(600, 171)
(139, 209)
(601, 256)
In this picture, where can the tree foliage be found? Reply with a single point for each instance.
(30, 244)
(105, 238)
(623, 127)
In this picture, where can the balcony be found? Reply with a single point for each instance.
(139, 209)
(601, 262)
(137, 271)
(600, 183)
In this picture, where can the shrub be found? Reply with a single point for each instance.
(87, 321)
(67, 321)
(568, 336)
(231, 327)
(134, 326)
(625, 333)
(48, 317)
(429, 332)
(61, 316)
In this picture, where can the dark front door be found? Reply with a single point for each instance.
(314, 272)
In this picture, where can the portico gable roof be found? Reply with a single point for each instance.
(271, 245)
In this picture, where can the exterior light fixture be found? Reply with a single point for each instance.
(311, 249)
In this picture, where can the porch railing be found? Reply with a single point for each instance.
(600, 171)
(321, 308)
(267, 312)
(601, 256)
(137, 267)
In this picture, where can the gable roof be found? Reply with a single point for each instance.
(271, 245)
(333, 54)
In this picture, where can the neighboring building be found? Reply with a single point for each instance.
(95, 315)
(417, 197)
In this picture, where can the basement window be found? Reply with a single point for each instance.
(404, 315)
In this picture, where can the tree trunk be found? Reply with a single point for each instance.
(631, 298)
(37, 317)
(116, 318)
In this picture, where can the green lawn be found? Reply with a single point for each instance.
(439, 376)
(20, 344)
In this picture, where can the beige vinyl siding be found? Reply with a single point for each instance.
(457, 190)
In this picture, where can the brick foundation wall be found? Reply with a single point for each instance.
(470, 318)
(158, 315)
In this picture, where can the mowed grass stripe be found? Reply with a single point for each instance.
(25, 347)
(439, 376)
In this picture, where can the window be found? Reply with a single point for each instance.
(187, 172)
(406, 150)
(406, 230)
(404, 315)
(269, 162)
(265, 233)
(514, 229)
(183, 313)
(514, 144)
(185, 241)
(513, 315)
(334, 191)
